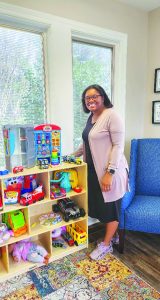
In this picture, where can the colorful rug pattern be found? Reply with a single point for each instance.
(76, 277)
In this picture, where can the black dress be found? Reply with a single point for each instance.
(104, 212)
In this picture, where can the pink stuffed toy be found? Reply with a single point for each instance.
(27, 250)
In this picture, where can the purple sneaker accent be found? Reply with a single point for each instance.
(100, 251)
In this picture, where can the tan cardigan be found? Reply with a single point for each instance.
(106, 140)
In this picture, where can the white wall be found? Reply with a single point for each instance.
(152, 130)
(112, 15)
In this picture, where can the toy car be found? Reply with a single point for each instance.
(18, 169)
(72, 159)
(3, 172)
(33, 197)
(43, 163)
(69, 209)
(58, 243)
(56, 191)
(66, 236)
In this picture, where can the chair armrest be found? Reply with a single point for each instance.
(127, 198)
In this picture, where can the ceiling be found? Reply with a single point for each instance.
(146, 5)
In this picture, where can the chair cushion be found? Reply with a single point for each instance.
(143, 214)
(148, 167)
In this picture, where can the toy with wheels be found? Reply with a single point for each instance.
(77, 233)
(69, 209)
(72, 159)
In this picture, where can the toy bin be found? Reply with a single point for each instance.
(19, 146)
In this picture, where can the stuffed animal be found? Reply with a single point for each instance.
(30, 251)
(5, 233)
(57, 232)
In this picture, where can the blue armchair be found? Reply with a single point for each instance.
(140, 209)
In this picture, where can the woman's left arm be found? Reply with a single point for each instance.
(117, 135)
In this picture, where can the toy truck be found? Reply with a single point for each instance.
(32, 197)
(77, 233)
(69, 209)
(15, 220)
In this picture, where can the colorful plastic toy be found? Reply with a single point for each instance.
(3, 172)
(54, 157)
(66, 236)
(59, 243)
(29, 184)
(43, 163)
(64, 181)
(33, 197)
(18, 169)
(19, 146)
(72, 175)
(47, 139)
(50, 219)
(77, 189)
(77, 233)
(16, 221)
(11, 197)
(56, 191)
(69, 209)
(72, 159)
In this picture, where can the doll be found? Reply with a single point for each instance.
(27, 250)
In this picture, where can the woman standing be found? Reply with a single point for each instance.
(103, 150)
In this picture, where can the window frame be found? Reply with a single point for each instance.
(85, 41)
(58, 33)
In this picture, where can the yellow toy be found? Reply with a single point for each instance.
(77, 233)
(73, 176)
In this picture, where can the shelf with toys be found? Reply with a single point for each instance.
(36, 203)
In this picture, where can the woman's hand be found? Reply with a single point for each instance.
(106, 182)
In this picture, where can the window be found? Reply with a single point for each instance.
(92, 64)
(22, 84)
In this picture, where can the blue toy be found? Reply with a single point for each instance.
(48, 143)
(64, 181)
(4, 172)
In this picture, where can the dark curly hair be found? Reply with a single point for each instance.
(101, 91)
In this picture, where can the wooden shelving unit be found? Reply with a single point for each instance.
(40, 233)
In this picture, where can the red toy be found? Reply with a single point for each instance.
(1, 204)
(33, 197)
(18, 169)
(57, 192)
(66, 236)
(77, 189)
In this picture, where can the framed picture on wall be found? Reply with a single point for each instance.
(156, 112)
(157, 81)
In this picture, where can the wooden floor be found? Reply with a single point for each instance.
(141, 253)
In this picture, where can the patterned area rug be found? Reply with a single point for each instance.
(78, 277)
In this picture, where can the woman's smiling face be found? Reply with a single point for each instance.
(93, 100)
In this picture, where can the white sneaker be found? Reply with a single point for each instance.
(100, 251)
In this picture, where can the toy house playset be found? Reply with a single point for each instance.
(19, 146)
